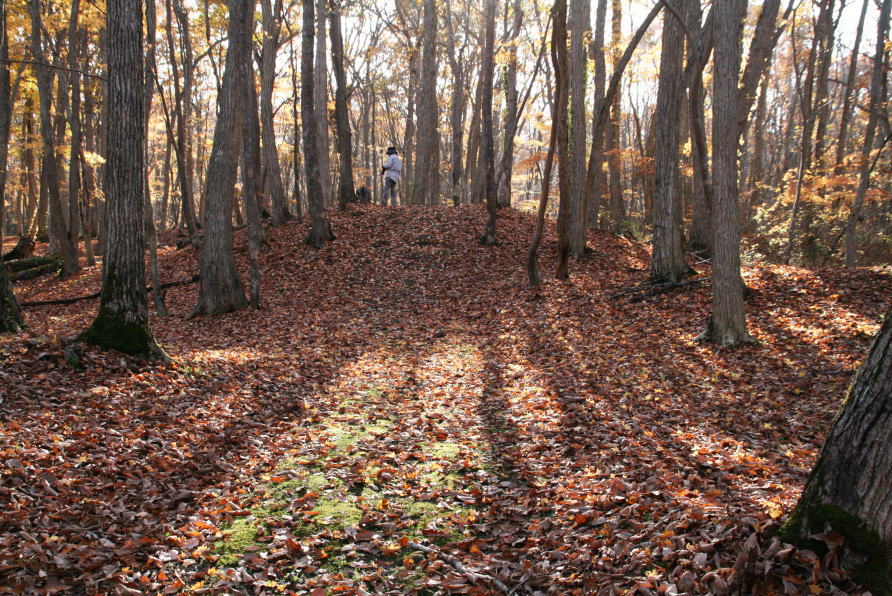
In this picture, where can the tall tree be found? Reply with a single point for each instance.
(511, 117)
(123, 319)
(668, 263)
(50, 180)
(346, 190)
(10, 316)
(457, 108)
(576, 166)
(428, 133)
(849, 490)
(875, 112)
(320, 98)
(487, 72)
(320, 228)
(614, 161)
(221, 288)
(271, 11)
(727, 325)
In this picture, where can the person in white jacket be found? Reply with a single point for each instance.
(392, 171)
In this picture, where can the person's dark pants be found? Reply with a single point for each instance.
(389, 191)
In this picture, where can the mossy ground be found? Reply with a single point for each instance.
(348, 491)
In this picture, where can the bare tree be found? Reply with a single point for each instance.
(487, 141)
(271, 11)
(346, 192)
(668, 263)
(727, 325)
(50, 180)
(10, 316)
(123, 319)
(320, 228)
(221, 288)
(428, 133)
(876, 110)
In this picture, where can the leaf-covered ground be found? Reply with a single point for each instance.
(406, 414)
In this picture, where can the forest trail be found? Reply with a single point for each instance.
(403, 386)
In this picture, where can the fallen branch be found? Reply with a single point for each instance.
(22, 264)
(457, 565)
(36, 271)
(170, 284)
(658, 288)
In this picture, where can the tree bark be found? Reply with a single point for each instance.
(614, 145)
(320, 228)
(561, 72)
(849, 490)
(272, 172)
(346, 190)
(727, 325)
(456, 110)
(511, 118)
(320, 97)
(846, 116)
(221, 288)
(577, 152)
(428, 134)
(123, 319)
(10, 315)
(50, 164)
(486, 134)
(875, 107)
(150, 229)
(594, 179)
(251, 175)
(668, 264)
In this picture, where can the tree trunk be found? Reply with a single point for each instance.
(123, 320)
(251, 176)
(74, 121)
(221, 288)
(561, 72)
(456, 111)
(849, 490)
(668, 264)
(346, 190)
(488, 156)
(576, 165)
(10, 316)
(272, 172)
(594, 179)
(558, 107)
(320, 97)
(512, 109)
(614, 160)
(846, 116)
(50, 164)
(426, 167)
(320, 228)
(150, 229)
(876, 108)
(182, 110)
(295, 154)
(727, 325)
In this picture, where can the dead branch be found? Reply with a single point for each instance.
(171, 284)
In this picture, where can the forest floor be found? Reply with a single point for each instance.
(406, 415)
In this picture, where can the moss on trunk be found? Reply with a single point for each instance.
(865, 555)
(113, 333)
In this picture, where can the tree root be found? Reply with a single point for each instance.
(653, 289)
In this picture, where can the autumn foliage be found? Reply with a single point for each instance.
(403, 386)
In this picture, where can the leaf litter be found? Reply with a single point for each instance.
(406, 415)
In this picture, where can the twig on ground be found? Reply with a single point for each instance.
(457, 565)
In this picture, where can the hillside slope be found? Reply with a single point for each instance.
(404, 388)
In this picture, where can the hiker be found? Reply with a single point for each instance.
(392, 171)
